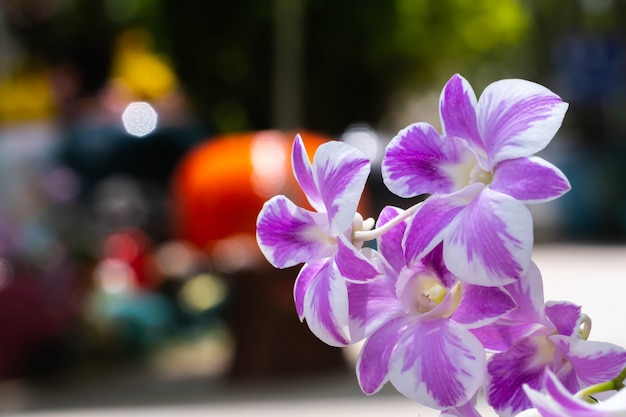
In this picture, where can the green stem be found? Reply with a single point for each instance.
(616, 384)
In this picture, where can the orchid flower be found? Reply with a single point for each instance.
(451, 278)
(481, 172)
(289, 235)
(417, 319)
(558, 401)
(543, 338)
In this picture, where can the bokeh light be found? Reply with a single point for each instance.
(139, 119)
(202, 293)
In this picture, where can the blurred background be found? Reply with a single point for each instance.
(132, 258)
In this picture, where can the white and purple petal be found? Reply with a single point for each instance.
(373, 303)
(304, 175)
(433, 262)
(325, 306)
(529, 180)
(418, 160)
(525, 320)
(593, 362)
(288, 235)
(528, 294)
(457, 110)
(428, 226)
(517, 118)
(390, 243)
(340, 172)
(353, 264)
(482, 305)
(372, 366)
(565, 316)
(437, 363)
(557, 401)
(303, 281)
(523, 363)
(490, 241)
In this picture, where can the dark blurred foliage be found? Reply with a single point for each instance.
(75, 33)
(355, 54)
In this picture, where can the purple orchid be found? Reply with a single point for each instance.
(480, 173)
(289, 235)
(417, 319)
(451, 278)
(557, 401)
(538, 338)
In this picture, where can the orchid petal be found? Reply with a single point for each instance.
(502, 334)
(490, 241)
(418, 160)
(565, 316)
(482, 305)
(433, 261)
(527, 319)
(559, 402)
(517, 118)
(373, 363)
(428, 226)
(437, 363)
(562, 395)
(303, 282)
(373, 303)
(340, 172)
(457, 109)
(288, 235)
(326, 306)
(593, 362)
(352, 264)
(529, 180)
(304, 175)
(528, 294)
(390, 243)
(523, 363)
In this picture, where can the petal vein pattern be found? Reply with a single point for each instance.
(417, 162)
(490, 240)
(457, 110)
(340, 172)
(529, 180)
(437, 363)
(427, 227)
(288, 235)
(326, 306)
(517, 118)
(304, 175)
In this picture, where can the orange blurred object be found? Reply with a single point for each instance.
(221, 185)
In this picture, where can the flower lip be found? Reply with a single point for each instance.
(479, 175)
(430, 292)
(427, 296)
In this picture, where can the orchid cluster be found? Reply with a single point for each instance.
(449, 282)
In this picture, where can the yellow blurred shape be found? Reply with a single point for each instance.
(26, 96)
(139, 68)
(201, 293)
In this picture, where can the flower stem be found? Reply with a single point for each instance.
(616, 384)
(365, 235)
